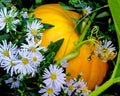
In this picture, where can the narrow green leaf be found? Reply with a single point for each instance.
(47, 26)
(3, 37)
(64, 6)
(54, 46)
(38, 2)
(20, 4)
(6, 0)
(52, 50)
(114, 6)
(103, 14)
(75, 19)
(1, 5)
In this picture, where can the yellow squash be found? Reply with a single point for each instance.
(93, 70)
(63, 27)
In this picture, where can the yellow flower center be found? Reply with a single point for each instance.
(8, 19)
(70, 87)
(50, 91)
(5, 20)
(85, 89)
(6, 53)
(35, 58)
(105, 50)
(34, 32)
(86, 11)
(53, 76)
(33, 49)
(25, 61)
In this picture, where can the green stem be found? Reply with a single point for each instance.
(100, 8)
(86, 28)
(116, 80)
(116, 70)
(80, 21)
(11, 35)
(102, 88)
(75, 52)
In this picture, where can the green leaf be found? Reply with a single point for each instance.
(52, 50)
(32, 94)
(3, 37)
(103, 14)
(79, 28)
(6, 0)
(54, 46)
(64, 6)
(38, 2)
(75, 19)
(4, 77)
(47, 26)
(19, 2)
(1, 5)
(114, 6)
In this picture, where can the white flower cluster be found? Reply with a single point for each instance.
(21, 60)
(24, 60)
(79, 88)
(55, 81)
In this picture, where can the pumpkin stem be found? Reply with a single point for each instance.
(75, 52)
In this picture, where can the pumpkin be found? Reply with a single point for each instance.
(63, 27)
(93, 70)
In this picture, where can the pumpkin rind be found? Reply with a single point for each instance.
(63, 27)
(93, 70)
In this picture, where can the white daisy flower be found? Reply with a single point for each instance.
(70, 88)
(36, 58)
(49, 91)
(105, 50)
(64, 63)
(87, 10)
(33, 29)
(85, 90)
(54, 77)
(8, 63)
(79, 85)
(7, 18)
(32, 45)
(15, 82)
(6, 47)
(24, 64)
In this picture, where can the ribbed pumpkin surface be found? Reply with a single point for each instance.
(93, 70)
(64, 27)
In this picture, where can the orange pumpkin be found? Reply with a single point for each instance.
(93, 70)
